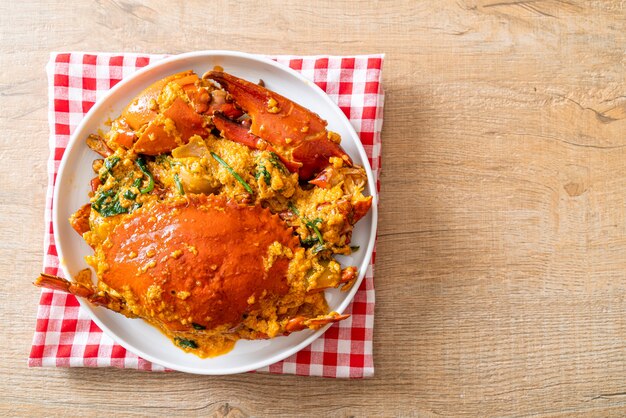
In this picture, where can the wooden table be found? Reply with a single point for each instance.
(500, 279)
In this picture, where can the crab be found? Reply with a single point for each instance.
(217, 263)
(219, 270)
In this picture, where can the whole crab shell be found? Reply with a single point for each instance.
(197, 260)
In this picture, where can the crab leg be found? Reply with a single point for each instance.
(49, 281)
(300, 322)
(296, 133)
(97, 144)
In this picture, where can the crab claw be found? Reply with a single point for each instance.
(300, 322)
(295, 133)
(142, 110)
(142, 128)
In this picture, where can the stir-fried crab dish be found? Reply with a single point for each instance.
(216, 210)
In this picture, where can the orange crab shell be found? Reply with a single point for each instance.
(204, 258)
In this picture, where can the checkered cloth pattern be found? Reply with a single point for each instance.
(65, 336)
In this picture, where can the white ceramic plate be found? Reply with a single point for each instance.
(73, 185)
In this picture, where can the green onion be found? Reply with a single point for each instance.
(354, 248)
(144, 169)
(185, 343)
(232, 172)
(179, 185)
(198, 326)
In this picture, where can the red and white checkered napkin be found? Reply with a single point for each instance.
(65, 335)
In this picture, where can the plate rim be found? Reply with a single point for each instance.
(101, 102)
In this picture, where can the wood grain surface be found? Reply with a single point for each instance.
(500, 280)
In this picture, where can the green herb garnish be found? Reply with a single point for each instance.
(108, 204)
(232, 172)
(128, 194)
(109, 163)
(354, 248)
(275, 160)
(102, 199)
(312, 225)
(144, 169)
(185, 343)
(179, 185)
(262, 172)
(198, 326)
